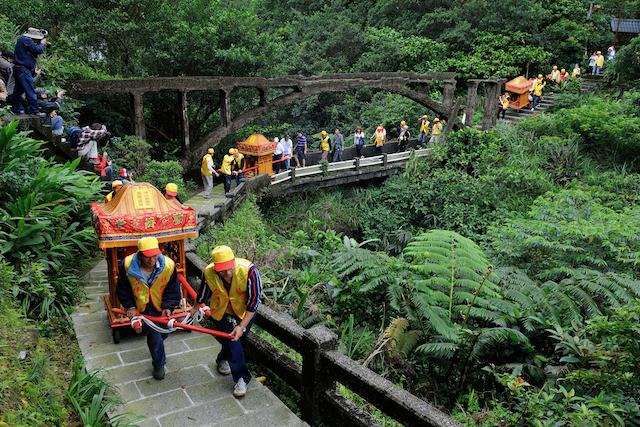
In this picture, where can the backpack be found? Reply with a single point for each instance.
(73, 136)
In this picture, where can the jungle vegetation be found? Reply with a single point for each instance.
(497, 281)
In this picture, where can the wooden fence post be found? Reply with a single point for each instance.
(315, 381)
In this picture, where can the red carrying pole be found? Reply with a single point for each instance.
(165, 320)
(187, 286)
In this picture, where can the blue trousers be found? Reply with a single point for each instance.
(239, 175)
(337, 155)
(24, 84)
(422, 140)
(227, 183)
(232, 350)
(155, 342)
(56, 125)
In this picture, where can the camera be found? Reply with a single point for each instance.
(45, 34)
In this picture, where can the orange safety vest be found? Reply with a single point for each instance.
(204, 170)
(237, 295)
(143, 293)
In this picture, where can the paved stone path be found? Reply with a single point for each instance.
(193, 393)
(200, 204)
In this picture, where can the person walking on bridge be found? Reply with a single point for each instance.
(436, 131)
(325, 147)
(301, 149)
(287, 145)
(233, 287)
(207, 171)
(379, 137)
(424, 131)
(226, 169)
(338, 146)
(148, 284)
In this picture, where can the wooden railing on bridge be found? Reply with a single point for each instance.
(323, 366)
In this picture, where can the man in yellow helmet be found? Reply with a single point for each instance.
(424, 131)
(325, 145)
(148, 284)
(115, 187)
(233, 287)
(226, 169)
(207, 171)
(599, 62)
(536, 91)
(171, 194)
(436, 131)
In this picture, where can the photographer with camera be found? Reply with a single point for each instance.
(28, 47)
(49, 106)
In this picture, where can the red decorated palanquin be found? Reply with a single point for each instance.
(518, 90)
(139, 210)
(259, 151)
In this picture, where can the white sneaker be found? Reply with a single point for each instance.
(223, 367)
(240, 388)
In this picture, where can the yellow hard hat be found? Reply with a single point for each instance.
(116, 183)
(539, 76)
(233, 150)
(598, 53)
(149, 246)
(436, 119)
(323, 133)
(555, 67)
(171, 189)
(210, 151)
(402, 123)
(563, 71)
(223, 258)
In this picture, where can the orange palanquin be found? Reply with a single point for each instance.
(260, 153)
(140, 210)
(518, 90)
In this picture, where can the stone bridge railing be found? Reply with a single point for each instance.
(322, 367)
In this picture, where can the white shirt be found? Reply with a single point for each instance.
(287, 146)
(279, 149)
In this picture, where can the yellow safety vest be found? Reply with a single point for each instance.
(205, 161)
(324, 144)
(537, 87)
(108, 197)
(237, 295)
(424, 127)
(576, 72)
(142, 293)
(555, 76)
(226, 164)
(600, 61)
(437, 129)
(379, 138)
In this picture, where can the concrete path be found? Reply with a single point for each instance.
(193, 393)
(200, 204)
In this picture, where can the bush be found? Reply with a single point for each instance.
(131, 152)
(162, 173)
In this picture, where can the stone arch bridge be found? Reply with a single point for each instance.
(300, 88)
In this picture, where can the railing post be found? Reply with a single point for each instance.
(358, 164)
(315, 381)
(293, 174)
(384, 160)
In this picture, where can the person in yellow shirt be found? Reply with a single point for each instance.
(325, 146)
(576, 71)
(424, 131)
(226, 169)
(233, 287)
(379, 136)
(538, 86)
(599, 61)
(207, 171)
(436, 131)
(554, 76)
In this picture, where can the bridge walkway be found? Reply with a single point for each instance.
(193, 393)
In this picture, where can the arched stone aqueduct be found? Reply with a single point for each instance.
(302, 87)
